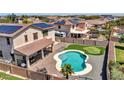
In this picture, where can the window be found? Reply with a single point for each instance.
(59, 27)
(26, 38)
(45, 33)
(73, 26)
(8, 40)
(1, 54)
(13, 57)
(35, 35)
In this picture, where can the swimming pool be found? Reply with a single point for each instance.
(76, 58)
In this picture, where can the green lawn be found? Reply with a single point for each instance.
(119, 54)
(92, 50)
(4, 76)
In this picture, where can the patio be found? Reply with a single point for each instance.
(30, 53)
(49, 63)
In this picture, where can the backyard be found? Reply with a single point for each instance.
(4, 76)
(96, 59)
(92, 50)
(117, 68)
(119, 53)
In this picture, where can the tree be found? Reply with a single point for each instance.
(46, 20)
(67, 70)
(13, 17)
(24, 16)
(89, 17)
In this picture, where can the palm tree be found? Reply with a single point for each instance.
(67, 70)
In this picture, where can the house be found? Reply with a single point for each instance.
(75, 29)
(63, 25)
(19, 20)
(52, 18)
(97, 27)
(118, 31)
(33, 20)
(97, 22)
(79, 30)
(25, 44)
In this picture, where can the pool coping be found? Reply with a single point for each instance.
(59, 62)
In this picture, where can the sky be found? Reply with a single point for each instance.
(62, 14)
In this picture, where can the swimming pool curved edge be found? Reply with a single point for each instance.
(59, 62)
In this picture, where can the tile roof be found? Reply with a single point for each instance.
(35, 46)
(97, 21)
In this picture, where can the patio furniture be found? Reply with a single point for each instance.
(23, 65)
(42, 70)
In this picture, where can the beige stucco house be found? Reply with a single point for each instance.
(63, 25)
(25, 44)
(76, 29)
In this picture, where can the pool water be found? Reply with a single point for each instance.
(75, 59)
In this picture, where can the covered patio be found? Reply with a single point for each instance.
(30, 53)
(78, 33)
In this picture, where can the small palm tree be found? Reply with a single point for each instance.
(67, 70)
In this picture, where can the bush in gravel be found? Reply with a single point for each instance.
(117, 71)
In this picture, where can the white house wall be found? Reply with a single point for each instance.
(51, 34)
(6, 49)
(63, 28)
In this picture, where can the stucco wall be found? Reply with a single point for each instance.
(51, 34)
(20, 40)
(63, 28)
(6, 49)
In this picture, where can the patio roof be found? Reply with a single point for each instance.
(79, 32)
(35, 46)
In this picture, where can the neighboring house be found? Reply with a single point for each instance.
(52, 19)
(79, 30)
(63, 25)
(19, 20)
(118, 31)
(24, 45)
(97, 22)
(33, 20)
(76, 29)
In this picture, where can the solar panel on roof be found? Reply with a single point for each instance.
(9, 29)
(42, 25)
(60, 22)
(75, 21)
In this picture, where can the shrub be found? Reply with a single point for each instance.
(110, 64)
(122, 39)
(117, 71)
(116, 74)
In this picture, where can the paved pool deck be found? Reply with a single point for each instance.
(49, 63)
